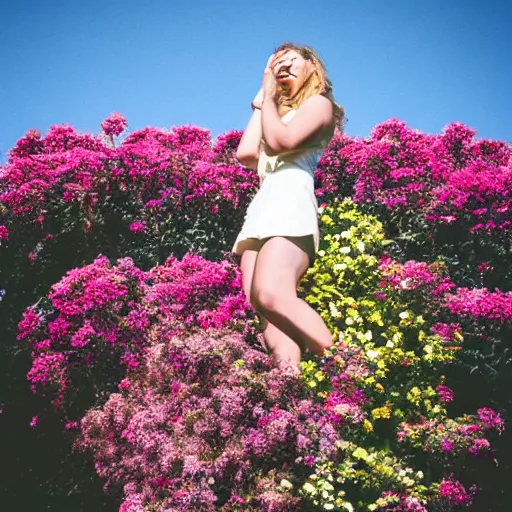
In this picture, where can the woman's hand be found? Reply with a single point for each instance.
(268, 86)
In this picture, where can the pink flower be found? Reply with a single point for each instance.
(491, 419)
(445, 393)
(4, 233)
(447, 445)
(455, 493)
(115, 124)
(138, 227)
(480, 447)
(28, 324)
(481, 303)
(83, 336)
(124, 384)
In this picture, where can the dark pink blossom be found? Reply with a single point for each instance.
(115, 124)
(444, 393)
(137, 227)
(491, 419)
(481, 303)
(455, 493)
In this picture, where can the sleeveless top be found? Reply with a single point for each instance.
(306, 157)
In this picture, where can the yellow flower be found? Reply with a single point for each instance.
(381, 412)
(368, 427)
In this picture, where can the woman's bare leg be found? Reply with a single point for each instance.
(280, 264)
(279, 344)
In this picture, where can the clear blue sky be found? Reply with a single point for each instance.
(165, 62)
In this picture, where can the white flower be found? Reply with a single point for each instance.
(286, 484)
(309, 488)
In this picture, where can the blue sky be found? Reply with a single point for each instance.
(165, 63)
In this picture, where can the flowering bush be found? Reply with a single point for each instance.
(158, 192)
(385, 315)
(97, 319)
(381, 423)
(206, 422)
(443, 195)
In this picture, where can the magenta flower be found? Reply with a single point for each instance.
(455, 493)
(491, 419)
(115, 124)
(445, 393)
(446, 331)
(480, 302)
(28, 323)
(137, 227)
(447, 445)
(480, 447)
(4, 233)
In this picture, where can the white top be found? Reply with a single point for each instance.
(306, 157)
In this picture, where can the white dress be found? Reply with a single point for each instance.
(285, 204)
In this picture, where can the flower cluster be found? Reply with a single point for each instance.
(444, 176)
(455, 494)
(197, 293)
(115, 124)
(375, 380)
(89, 317)
(453, 437)
(207, 424)
(103, 312)
(481, 303)
(176, 188)
(4, 233)
(203, 420)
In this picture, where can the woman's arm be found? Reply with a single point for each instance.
(248, 152)
(314, 115)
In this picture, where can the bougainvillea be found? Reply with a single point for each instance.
(99, 316)
(188, 413)
(438, 195)
(205, 421)
(207, 424)
(115, 124)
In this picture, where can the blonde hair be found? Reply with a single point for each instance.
(316, 83)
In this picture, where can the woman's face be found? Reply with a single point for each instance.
(291, 70)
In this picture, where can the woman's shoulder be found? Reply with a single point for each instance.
(318, 101)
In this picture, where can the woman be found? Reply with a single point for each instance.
(294, 117)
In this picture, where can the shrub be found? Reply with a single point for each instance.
(208, 423)
(380, 423)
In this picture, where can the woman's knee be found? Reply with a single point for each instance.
(265, 299)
